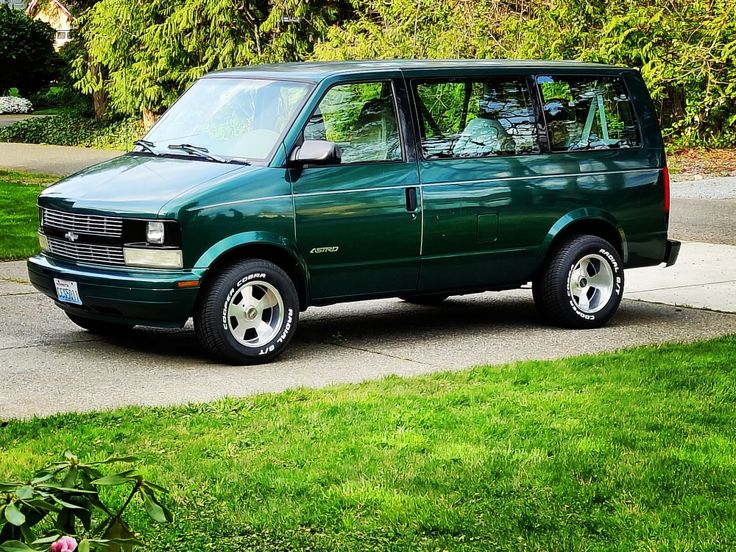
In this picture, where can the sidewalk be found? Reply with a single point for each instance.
(59, 160)
(704, 277)
(7, 120)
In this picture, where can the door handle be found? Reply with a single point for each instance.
(411, 199)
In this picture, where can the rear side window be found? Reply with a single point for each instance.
(475, 118)
(588, 113)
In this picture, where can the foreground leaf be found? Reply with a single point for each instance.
(120, 535)
(47, 540)
(153, 508)
(24, 493)
(14, 515)
(15, 546)
(116, 479)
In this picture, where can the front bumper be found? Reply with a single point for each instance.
(120, 294)
(671, 252)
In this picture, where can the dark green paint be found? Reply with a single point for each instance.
(486, 223)
(133, 185)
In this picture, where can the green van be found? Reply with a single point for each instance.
(269, 189)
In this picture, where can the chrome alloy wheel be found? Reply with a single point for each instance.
(590, 283)
(255, 313)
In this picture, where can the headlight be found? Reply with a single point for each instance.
(153, 257)
(155, 233)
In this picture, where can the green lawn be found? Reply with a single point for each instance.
(628, 451)
(19, 213)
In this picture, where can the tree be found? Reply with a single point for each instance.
(27, 58)
(149, 52)
(685, 49)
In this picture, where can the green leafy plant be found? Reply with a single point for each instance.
(74, 130)
(64, 499)
(685, 50)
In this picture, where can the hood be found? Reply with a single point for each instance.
(133, 184)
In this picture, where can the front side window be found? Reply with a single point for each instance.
(475, 118)
(588, 113)
(361, 119)
(230, 118)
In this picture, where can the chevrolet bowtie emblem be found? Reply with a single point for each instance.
(71, 236)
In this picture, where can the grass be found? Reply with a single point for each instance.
(628, 451)
(19, 213)
(50, 111)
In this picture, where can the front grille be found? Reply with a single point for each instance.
(93, 225)
(92, 253)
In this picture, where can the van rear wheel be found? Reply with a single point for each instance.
(248, 313)
(582, 284)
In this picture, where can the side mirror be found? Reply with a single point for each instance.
(315, 152)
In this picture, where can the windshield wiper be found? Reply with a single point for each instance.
(196, 150)
(146, 145)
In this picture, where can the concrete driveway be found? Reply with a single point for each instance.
(48, 365)
(61, 160)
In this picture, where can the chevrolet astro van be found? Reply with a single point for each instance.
(269, 189)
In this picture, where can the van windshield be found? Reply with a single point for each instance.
(227, 119)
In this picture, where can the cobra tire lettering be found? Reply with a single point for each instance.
(224, 308)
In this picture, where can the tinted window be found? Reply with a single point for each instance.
(584, 113)
(475, 118)
(361, 119)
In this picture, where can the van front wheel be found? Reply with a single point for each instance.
(582, 284)
(248, 313)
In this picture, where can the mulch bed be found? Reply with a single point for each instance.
(703, 162)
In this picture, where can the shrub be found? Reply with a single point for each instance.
(65, 98)
(27, 56)
(12, 104)
(74, 130)
(67, 498)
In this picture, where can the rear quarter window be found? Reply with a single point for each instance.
(588, 113)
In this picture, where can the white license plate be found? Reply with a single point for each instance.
(67, 291)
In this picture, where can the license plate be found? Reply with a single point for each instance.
(67, 291)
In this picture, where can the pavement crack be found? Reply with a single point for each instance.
(38, 345)
(680, 306)
(364, 350)
(682, 286)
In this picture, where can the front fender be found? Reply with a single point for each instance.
(256, 238)
(583, 216)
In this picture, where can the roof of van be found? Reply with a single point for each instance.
(318, 70)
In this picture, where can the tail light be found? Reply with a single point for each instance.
(666, 177)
